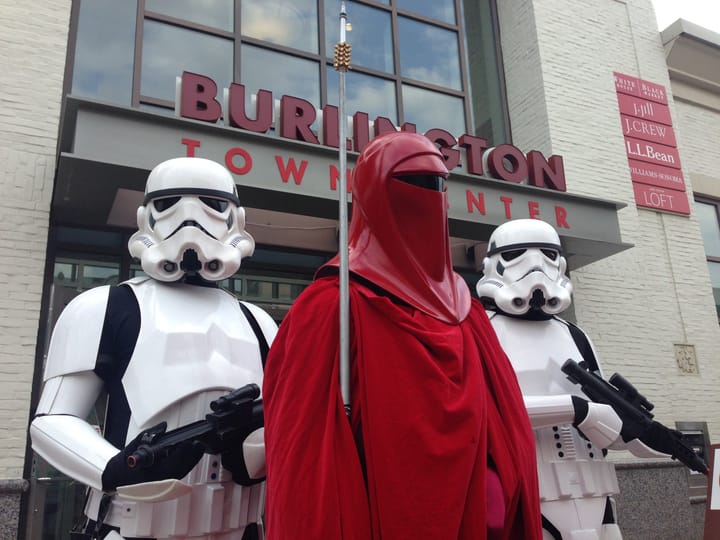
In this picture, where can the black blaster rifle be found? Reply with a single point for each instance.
(634, 411)
(235, 415)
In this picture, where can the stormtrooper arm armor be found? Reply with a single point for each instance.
(254, 445)
(597, 421)
(254, 454)
(60, 434)
(637, 448)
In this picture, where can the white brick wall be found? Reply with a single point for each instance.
(637, 304)
(32, 58)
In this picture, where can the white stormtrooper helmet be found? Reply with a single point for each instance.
(524, 270)
(190, 222)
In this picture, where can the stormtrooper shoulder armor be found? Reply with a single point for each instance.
(76, 337)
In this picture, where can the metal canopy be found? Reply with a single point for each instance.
(106, 153)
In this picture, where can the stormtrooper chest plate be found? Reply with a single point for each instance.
(192, 339)
(537, 350)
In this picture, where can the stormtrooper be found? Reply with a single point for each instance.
(163, 347)
(524, 288)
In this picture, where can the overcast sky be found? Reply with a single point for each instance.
(705, 13)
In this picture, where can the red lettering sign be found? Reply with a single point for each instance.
(335, 178)
(548, 173)
(653, 92)
(191, 144)
(475, 202)
(561, 217)
(247, 162)
(656, 175)
(296, 117)
(291, 169)
(661, 199)
(507, 163)
(299, 120)
(632, 86)
(642, 108)
(239, 117)
(658, 154)
(625, 84)
(197, 98)
(647, 130)
(651, 146)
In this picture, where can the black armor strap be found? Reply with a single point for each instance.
(262, 342)
(583, 344)
(551, 529)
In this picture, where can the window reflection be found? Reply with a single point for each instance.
(169, 50)
(484, 92)
(429, 54)
(282, 74)
(709, 228)
(365, 93)
(715, 281)
(427, 109)
(293, 24)
(442, 10)
(215, 13)
(370, 37)
(103, 67)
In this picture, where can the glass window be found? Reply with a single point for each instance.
(442, 10)
(485, 92)
(403, 47)
(709, 227)
(90, 237)
(429, 54)
(370, 37)
(215, 13)
(714, 268)
(81, 274)
(104, 52)
(292, 24)
(372, 95)
(428, 109)
(707, 214)
(289, 75)
(169, 50)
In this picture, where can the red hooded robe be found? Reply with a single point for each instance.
(436, 408)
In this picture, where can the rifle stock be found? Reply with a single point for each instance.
(634, 411)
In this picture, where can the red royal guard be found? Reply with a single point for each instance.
(438, 444)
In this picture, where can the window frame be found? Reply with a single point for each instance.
(711, 258)
(323, 57)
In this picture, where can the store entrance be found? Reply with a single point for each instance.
(271, 279)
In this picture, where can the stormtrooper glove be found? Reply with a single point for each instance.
(175, 464)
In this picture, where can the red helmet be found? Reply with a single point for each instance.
(398, 237)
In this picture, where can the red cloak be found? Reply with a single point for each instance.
(433, 404)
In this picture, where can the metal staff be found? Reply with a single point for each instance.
(341, 63)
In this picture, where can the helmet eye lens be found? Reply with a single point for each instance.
(426, 181)
(512, 254)
(219, 205)
(163, 204)
(550, 254)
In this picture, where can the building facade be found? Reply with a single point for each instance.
(542, 109)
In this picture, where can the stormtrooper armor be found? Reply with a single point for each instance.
(525, 285)
(163, 347)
